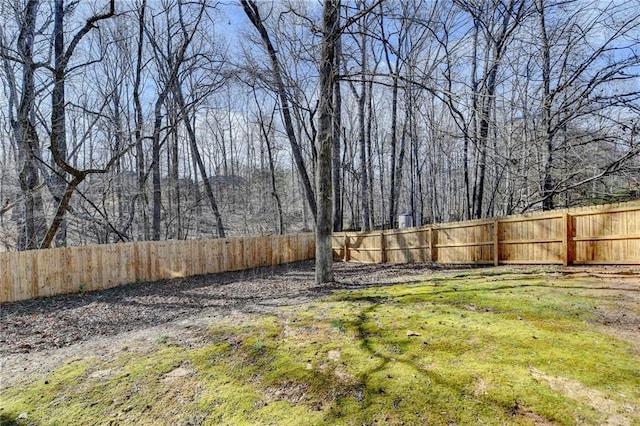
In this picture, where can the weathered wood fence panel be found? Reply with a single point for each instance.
(608, 238)
(607, 234)
(407, 247)
(463, 242)
(40, 273)
(537, 240)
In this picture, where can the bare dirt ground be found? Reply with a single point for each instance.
(37, 336)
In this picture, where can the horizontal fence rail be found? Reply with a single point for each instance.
(40, 273)
(607, 234)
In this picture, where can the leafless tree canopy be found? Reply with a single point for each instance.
(170, 119)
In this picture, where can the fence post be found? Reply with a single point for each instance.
(383, 248)
(567, 239)
(430, 237)
(346, 248)
(496, 243)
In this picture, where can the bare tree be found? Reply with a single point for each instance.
(497, 23)
(362, 98)
(595, 87)
(397, 152)
(265, 131)
(58, 146)
(24, 126)
(253, 13)
(330, 34)
(337, 136)
(139, 123)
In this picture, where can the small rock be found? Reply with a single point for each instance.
(22, 416)
(411, 333)
(333, 355)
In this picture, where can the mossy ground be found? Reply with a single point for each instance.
(467, 349)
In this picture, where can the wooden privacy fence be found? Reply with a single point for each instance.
(38, 273)
(591, 235)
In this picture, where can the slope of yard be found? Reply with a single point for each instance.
(386, 345)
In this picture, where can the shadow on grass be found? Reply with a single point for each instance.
(374, 393)
(8, 420)
(483, 289)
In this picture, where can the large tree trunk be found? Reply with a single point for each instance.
(337, 131)
(58, 130)
(471, 194)
(60, 188)
(117, 148)
(170, 80)
(547, 184)
(483, 139)
(140, 166)
(174, 176)
(364, 164)
(394, 172)
(324, 254)
(155, 168)
(34, 226)
(26, 137)
(369, 120)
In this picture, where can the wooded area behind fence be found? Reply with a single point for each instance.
(38, 273)
(607, 234)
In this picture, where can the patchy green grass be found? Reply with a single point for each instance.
(469, 349)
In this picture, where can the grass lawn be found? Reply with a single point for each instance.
(495, 346)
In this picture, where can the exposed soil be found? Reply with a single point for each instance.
(597, 400)
(39, 335)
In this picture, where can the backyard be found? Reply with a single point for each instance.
(385, 344)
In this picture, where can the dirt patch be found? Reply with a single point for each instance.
(593, 398)
(177, 373)
(37, 336)
(103, 374)
(617, 290)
